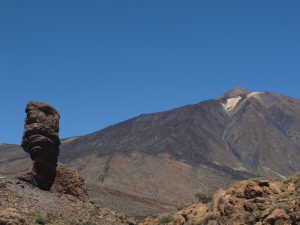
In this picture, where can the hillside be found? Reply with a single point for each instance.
(157, 162)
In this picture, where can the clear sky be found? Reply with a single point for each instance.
(101, 62)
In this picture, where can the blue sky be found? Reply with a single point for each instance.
(101, 62)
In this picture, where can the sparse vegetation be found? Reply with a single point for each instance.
(39, 219)
(165, 219)
(88, 223)
(204, 197)
(2, 184)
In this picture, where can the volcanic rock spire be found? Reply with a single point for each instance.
(41, 141)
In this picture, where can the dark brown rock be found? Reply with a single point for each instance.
(253, 190)
(277, 215)
(41, 141)
(296, 211)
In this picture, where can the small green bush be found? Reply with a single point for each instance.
(2, 184)
(88, 223)
(204, 197)
(39, 219)
(165, 219)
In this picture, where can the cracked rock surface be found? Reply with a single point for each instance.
(41, 141)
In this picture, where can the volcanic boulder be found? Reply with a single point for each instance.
(41, 141)
(68, 181)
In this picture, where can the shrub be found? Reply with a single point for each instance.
(165, 219)
(204, 197)
(2, 184)
(39, 219)
(88, 223)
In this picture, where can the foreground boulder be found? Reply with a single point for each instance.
(41, 141)
(257, 202)
(68, 181)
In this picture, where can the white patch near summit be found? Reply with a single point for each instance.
(231, 103)
(254, 94)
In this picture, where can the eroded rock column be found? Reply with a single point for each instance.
(41, 141)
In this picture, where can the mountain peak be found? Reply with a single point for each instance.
(235, 92)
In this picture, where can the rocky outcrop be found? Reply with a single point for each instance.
(42, 142)
(257, 202)
(68, 181)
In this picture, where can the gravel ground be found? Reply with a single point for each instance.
(28, 204)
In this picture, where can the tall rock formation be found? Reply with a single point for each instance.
(41, 141)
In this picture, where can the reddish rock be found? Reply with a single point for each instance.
(68, 181)
(295, 215)
(253, 190)
(276, 215)
(194, 213)
(149, 220)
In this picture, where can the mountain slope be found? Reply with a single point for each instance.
(259, 135)
(158, 161)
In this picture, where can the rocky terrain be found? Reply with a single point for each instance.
(157, 162)
(24, 204)
(257, 202)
